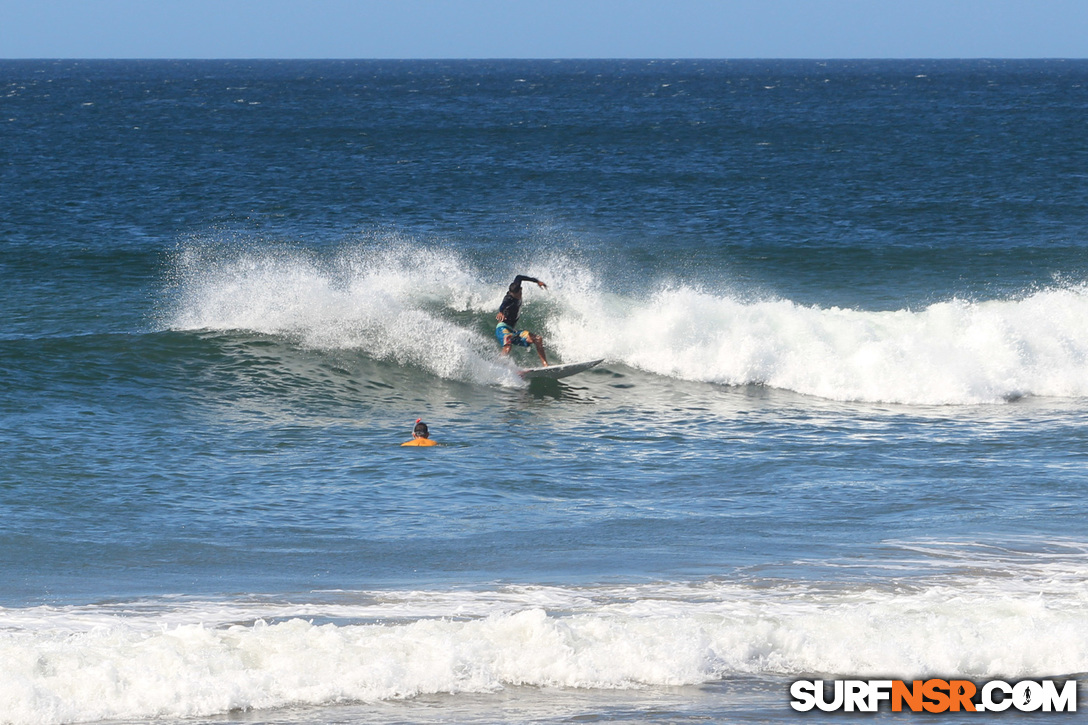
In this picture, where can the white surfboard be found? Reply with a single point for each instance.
(558, 371)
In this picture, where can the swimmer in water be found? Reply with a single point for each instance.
(420, 435)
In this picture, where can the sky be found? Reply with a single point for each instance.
(543, 29)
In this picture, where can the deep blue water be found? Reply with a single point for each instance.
(839, 429)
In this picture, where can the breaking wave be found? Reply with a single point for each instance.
(432, 309)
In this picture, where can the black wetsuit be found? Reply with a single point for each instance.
(511, 305)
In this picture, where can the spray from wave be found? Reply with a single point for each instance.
(398, 304)
(429, 308)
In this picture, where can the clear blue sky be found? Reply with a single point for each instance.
(543, 28)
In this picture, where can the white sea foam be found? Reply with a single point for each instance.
(431, 309)
(391, 304)
(953, 352)
(192, 658)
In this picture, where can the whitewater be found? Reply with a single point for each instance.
(953, 352)
(188, 658)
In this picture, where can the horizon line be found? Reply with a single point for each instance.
(648, 59)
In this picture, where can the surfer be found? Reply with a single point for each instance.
(509, 310)
(420, 435)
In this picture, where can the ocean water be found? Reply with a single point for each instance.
(839, 430)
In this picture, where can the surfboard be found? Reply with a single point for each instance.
(559, 371)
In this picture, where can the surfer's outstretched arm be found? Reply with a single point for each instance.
(523, 278)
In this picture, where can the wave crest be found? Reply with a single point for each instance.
(954, 352)
(430, 308)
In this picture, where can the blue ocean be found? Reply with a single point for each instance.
(839, 430)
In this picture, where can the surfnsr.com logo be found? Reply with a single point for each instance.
(934, 695)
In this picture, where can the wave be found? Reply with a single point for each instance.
(182, 658)
(954, 352)
(432, 309)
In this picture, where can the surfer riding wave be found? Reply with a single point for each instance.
(507, 316)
